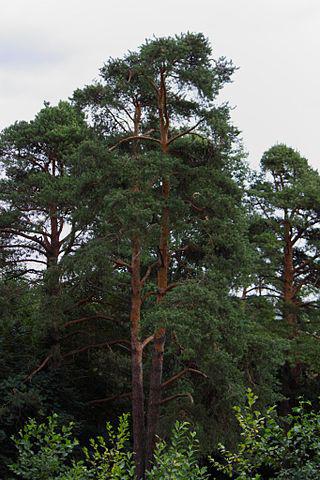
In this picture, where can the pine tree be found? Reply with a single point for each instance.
(37, 194)
(286, 230)
(171, 147)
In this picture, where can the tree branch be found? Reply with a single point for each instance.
(96, 345)
(121, 263)
(24, 235)
(38, 369)
(185, 132)
(169, 287)
(147, 341)
(109, 399)
(90, 317)
(174, 397)
(23, 260)
(148, 272)
(177, 376)
(26, 246)
(147, 295)
(133, 137)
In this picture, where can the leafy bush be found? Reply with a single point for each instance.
(109, 458)
(270, 448)
(177, 460)
(274, 448)
(45, 453)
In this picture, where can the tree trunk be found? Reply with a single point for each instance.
(164, 243)
(159, 336)
(289, 312)
(53, 307)
(138, 414)
(154, 393)
(52, 310)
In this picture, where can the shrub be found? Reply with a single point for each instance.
(177, 460)
(45, 453)
(274, 448)
(109, 458)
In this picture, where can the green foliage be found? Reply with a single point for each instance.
(273, 447)
(193, 79)
(207, 242)
(284, 227)
(177, 460)
(108, 457)
(72, 170)
(286, 194)
(45, 452)
(213, 333)
(37, 189)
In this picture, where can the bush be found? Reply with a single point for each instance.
(178, 459)
(45, 453)
(270, 448)
(110, 458)
(274, 448)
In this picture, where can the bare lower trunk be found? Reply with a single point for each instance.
(52, 281)
(154, 400)
(138, 415)
(154, 393)
(52, 310)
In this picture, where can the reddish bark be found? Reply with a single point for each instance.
(144, 444)
(138, 414)
(154, 402)
(289, 290)
(154, 399)
(52, 281)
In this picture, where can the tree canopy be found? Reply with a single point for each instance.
(145, 267)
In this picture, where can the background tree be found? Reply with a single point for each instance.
(50, 282)
(37, 194)
(285, 231)
(287, 199)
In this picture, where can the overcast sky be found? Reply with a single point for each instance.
(50, 47)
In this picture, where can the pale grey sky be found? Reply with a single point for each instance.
(50, 47)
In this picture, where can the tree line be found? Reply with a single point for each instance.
(144, 266)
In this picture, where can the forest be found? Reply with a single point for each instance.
(153, 282)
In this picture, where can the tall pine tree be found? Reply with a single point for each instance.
(174, 209)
